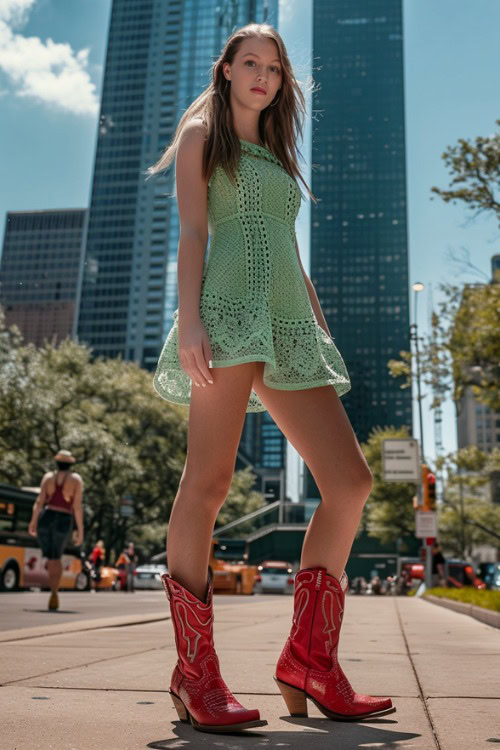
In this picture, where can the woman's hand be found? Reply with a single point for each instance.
(32, 527)
(195, 352)
(79, 537)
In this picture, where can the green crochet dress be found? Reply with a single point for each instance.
(254, 302)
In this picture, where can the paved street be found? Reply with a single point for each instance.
(106, 688)
(25, 609)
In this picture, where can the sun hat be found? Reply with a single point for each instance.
(65, 456)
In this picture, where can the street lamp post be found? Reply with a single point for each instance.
(419, 287)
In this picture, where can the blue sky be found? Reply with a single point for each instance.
(51, 65)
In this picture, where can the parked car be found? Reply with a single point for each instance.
(495, 584)
(229, 576)
(460, 573)
(108, 579)
(274, 577)
(486, 572)
(149, 576)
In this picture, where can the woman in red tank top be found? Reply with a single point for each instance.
(52, 518)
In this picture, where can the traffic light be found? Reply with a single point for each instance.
(425, 488)
(428, 489)
(431, 491)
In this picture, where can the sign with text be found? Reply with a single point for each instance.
(425, 524)
(127, 506)
(401, 460)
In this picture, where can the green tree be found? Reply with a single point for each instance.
(467, 517)
(128, 441)
(462, 350)
(475, 171)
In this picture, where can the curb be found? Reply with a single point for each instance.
(22, 634)
(487, 616)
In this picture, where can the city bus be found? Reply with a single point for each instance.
(21, 561)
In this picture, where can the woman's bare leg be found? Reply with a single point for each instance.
(54, 570)
(316, 424)
(216, 418)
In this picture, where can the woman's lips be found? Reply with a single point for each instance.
(259, 91)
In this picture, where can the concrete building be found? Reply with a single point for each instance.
(39, 271)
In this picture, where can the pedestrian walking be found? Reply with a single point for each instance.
(121, 565)
(97, 558)
(59, 501)
(130, 567)
(249, 335)
(438, 563)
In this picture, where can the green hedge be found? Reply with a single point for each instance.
(469, 595)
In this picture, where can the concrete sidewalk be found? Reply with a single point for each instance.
(106, 688)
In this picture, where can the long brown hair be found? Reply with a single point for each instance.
(280, 125)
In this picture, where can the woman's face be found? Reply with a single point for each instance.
(255, 73)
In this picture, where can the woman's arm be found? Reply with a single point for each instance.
(78, 509)
(38, 504)
(312, 295)
(192, 207)
(194, 344)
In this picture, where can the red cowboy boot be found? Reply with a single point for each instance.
(308, 666)
(197, 689)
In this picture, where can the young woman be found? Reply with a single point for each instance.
(60, 500)
(250, 335)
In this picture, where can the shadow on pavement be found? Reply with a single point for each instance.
(55, 611)
(318, 733)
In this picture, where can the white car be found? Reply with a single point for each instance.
(148, 576)
(274, 577)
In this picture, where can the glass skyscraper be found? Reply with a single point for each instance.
(158, 60)
(359, 251)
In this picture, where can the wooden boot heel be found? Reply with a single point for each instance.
(295, 699)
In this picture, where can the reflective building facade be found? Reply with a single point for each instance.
(359, 249)
(158, 60)
(39, 272)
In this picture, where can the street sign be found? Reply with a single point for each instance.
(126, 506)
(400, 460)
(426, 524)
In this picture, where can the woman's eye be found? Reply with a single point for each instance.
(249, 61)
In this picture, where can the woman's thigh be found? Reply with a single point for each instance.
(316, 424)
(216, 418)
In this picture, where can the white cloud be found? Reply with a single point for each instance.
(48, 72)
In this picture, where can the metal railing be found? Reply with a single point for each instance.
(276, 513)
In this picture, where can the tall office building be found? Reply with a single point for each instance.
(39, 272)
(158, 60)
(359, 253)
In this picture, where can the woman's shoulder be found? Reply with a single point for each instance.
(194, 130)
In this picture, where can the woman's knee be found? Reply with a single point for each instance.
(210, 490)
(354, 482)
(365, 482)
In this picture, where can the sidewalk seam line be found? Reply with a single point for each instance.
(80, 666)
(70, 631)
(422, 696)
